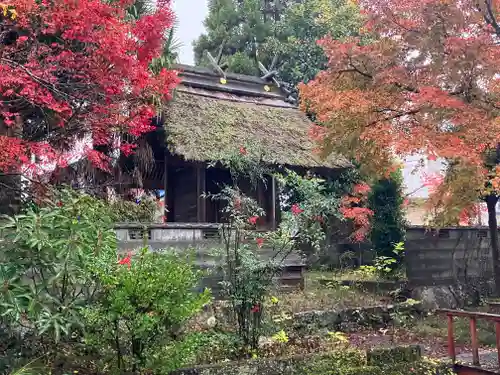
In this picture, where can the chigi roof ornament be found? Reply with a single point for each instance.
(268, 74)
(271, 74)
(216, 62)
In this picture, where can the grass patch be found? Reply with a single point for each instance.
(317, 296)
(348, 275)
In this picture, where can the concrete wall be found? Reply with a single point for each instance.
(163, 236)
(202, 239)
(415, 212)
(442, 257)
(448, 256)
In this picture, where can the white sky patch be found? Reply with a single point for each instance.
(416, 167)
(45, 165)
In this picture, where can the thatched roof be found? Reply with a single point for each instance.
(205, 122)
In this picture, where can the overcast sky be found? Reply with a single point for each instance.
(190, 14)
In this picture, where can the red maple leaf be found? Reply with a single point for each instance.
(127, 260)
(253, 220)
(260, 242)
(95, 81)
(255, 308)
(296, 210)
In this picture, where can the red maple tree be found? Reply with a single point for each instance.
(421, 78)
(71, 69)
(353, 208)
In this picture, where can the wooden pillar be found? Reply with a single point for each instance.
(474, 342)
(261, 201)
(165, 186)
(274, 208)
(260, 194)
(451, 340)
(200, 189)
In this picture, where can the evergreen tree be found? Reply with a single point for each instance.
(388, 223)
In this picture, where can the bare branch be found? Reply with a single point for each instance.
(489, 16)
(37, 79)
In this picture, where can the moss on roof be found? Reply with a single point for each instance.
(203, 128)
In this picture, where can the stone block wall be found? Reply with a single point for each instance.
(201, 239)
(447, 256)
(433, 257)
(386, 361)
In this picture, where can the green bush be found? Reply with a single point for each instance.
(51, 260)
(385, 356)
(141, 211)
(413, 368)
(319, 201)
(386, 361)
(246, 277)
(342, 361)
(363, 370)
(333, 363)
(424, 367)
(137, 323)
(216, 345)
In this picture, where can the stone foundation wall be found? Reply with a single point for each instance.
(387, 361)
(202, 239)
(340, 320)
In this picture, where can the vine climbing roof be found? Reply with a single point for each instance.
(212, 116)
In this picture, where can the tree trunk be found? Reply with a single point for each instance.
(10, 183)
(491, 202)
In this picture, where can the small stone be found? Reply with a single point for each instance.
(265, 341)
(211, 322)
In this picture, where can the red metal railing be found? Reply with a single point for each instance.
(473, 318)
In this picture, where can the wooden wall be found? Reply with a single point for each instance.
(187, 184)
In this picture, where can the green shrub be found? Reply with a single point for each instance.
(140, 211)
(177, 353)
(363, 370)
(319, 199)
(137, 323)
(217, 345)
(51, 261)
(247, 277)
(338, 362)
(333, 363)
(424, 367)
(409, 368)
(385, 361)
(386, 356)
